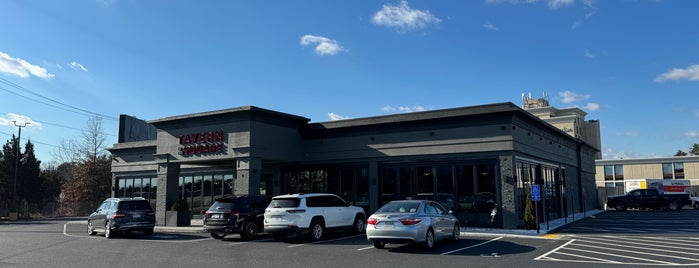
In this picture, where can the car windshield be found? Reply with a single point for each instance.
(284, 203)
(399, 207)
(134, 205)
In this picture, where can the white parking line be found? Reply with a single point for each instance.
(554, 250)
(473, 246)
(324, 241)
(365, 248)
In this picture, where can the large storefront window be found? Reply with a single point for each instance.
(352, 184)
(145, 187)
(469, 191)
(551, 180)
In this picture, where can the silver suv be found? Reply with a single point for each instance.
(311, 215)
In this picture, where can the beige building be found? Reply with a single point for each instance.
(611, 173)
(569, 120)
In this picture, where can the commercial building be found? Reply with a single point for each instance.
(612, 173)
(478, 161)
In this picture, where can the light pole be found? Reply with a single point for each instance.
(19, 145)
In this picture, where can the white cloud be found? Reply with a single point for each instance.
(691, 134)
(691, 73)
(552, 4)
(404, 18)
(22, 68)
(78, 66)
(588, 54)
(569, 96)
(403, 109)
(324, 46)
(592, 107)
(334, 117)
(490, 26)
(590, 10)
(7, 120)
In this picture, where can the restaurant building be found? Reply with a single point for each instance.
(478, 161)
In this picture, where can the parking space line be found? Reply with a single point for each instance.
(325, 241)
(473, 246)
(636, 252)
(365, 248)
(622, 256)
(598, 260)
(554, 250)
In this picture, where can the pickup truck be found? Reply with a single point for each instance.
(648, 198)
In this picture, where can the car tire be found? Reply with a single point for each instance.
(359, 225)
(456, 233)
(673, 206)
(316, 230)
(620, 206)
(250, 230)
(108, 233)
(429, 239)
(148, 232)
(379, 244)
(217, 236)
(90, 228)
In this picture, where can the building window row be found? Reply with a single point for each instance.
(673, 171)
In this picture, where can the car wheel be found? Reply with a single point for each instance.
(429, 239)
(456, 234)
(218, 236)
(148, 232)
(250, 230)
(379, 244)
(279, 237)
(620, 206)
(316, 231)
(673, 206)
(90, 228)
(108, 230)
(359, 224)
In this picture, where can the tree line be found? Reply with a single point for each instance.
(692, 151)
(74, 187)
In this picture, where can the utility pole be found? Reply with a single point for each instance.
(19, 146)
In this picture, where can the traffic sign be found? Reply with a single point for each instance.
(536, 192)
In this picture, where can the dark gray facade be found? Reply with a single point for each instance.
(478, 161)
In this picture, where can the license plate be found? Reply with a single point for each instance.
(136, 216)
(215, 216)
(385, 224)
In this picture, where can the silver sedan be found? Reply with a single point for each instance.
(411, 221)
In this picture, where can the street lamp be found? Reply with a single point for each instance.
(19, 144)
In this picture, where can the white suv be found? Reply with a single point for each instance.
(311, 214)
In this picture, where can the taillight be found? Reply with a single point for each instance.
(295, 211)
(118, 215)
(372, 221)
(410, 221)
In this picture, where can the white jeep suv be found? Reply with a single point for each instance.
(311, 215)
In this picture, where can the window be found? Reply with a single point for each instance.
(679, 171)
(618, 172)
(608, 173)
(667, 171)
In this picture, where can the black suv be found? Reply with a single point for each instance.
(117, 215)
(236, 215)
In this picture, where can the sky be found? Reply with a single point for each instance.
(631, 64)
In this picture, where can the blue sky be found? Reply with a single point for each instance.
(632, 65)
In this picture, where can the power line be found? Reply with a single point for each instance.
(32, 140)
(58, 125)
(75, 109)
